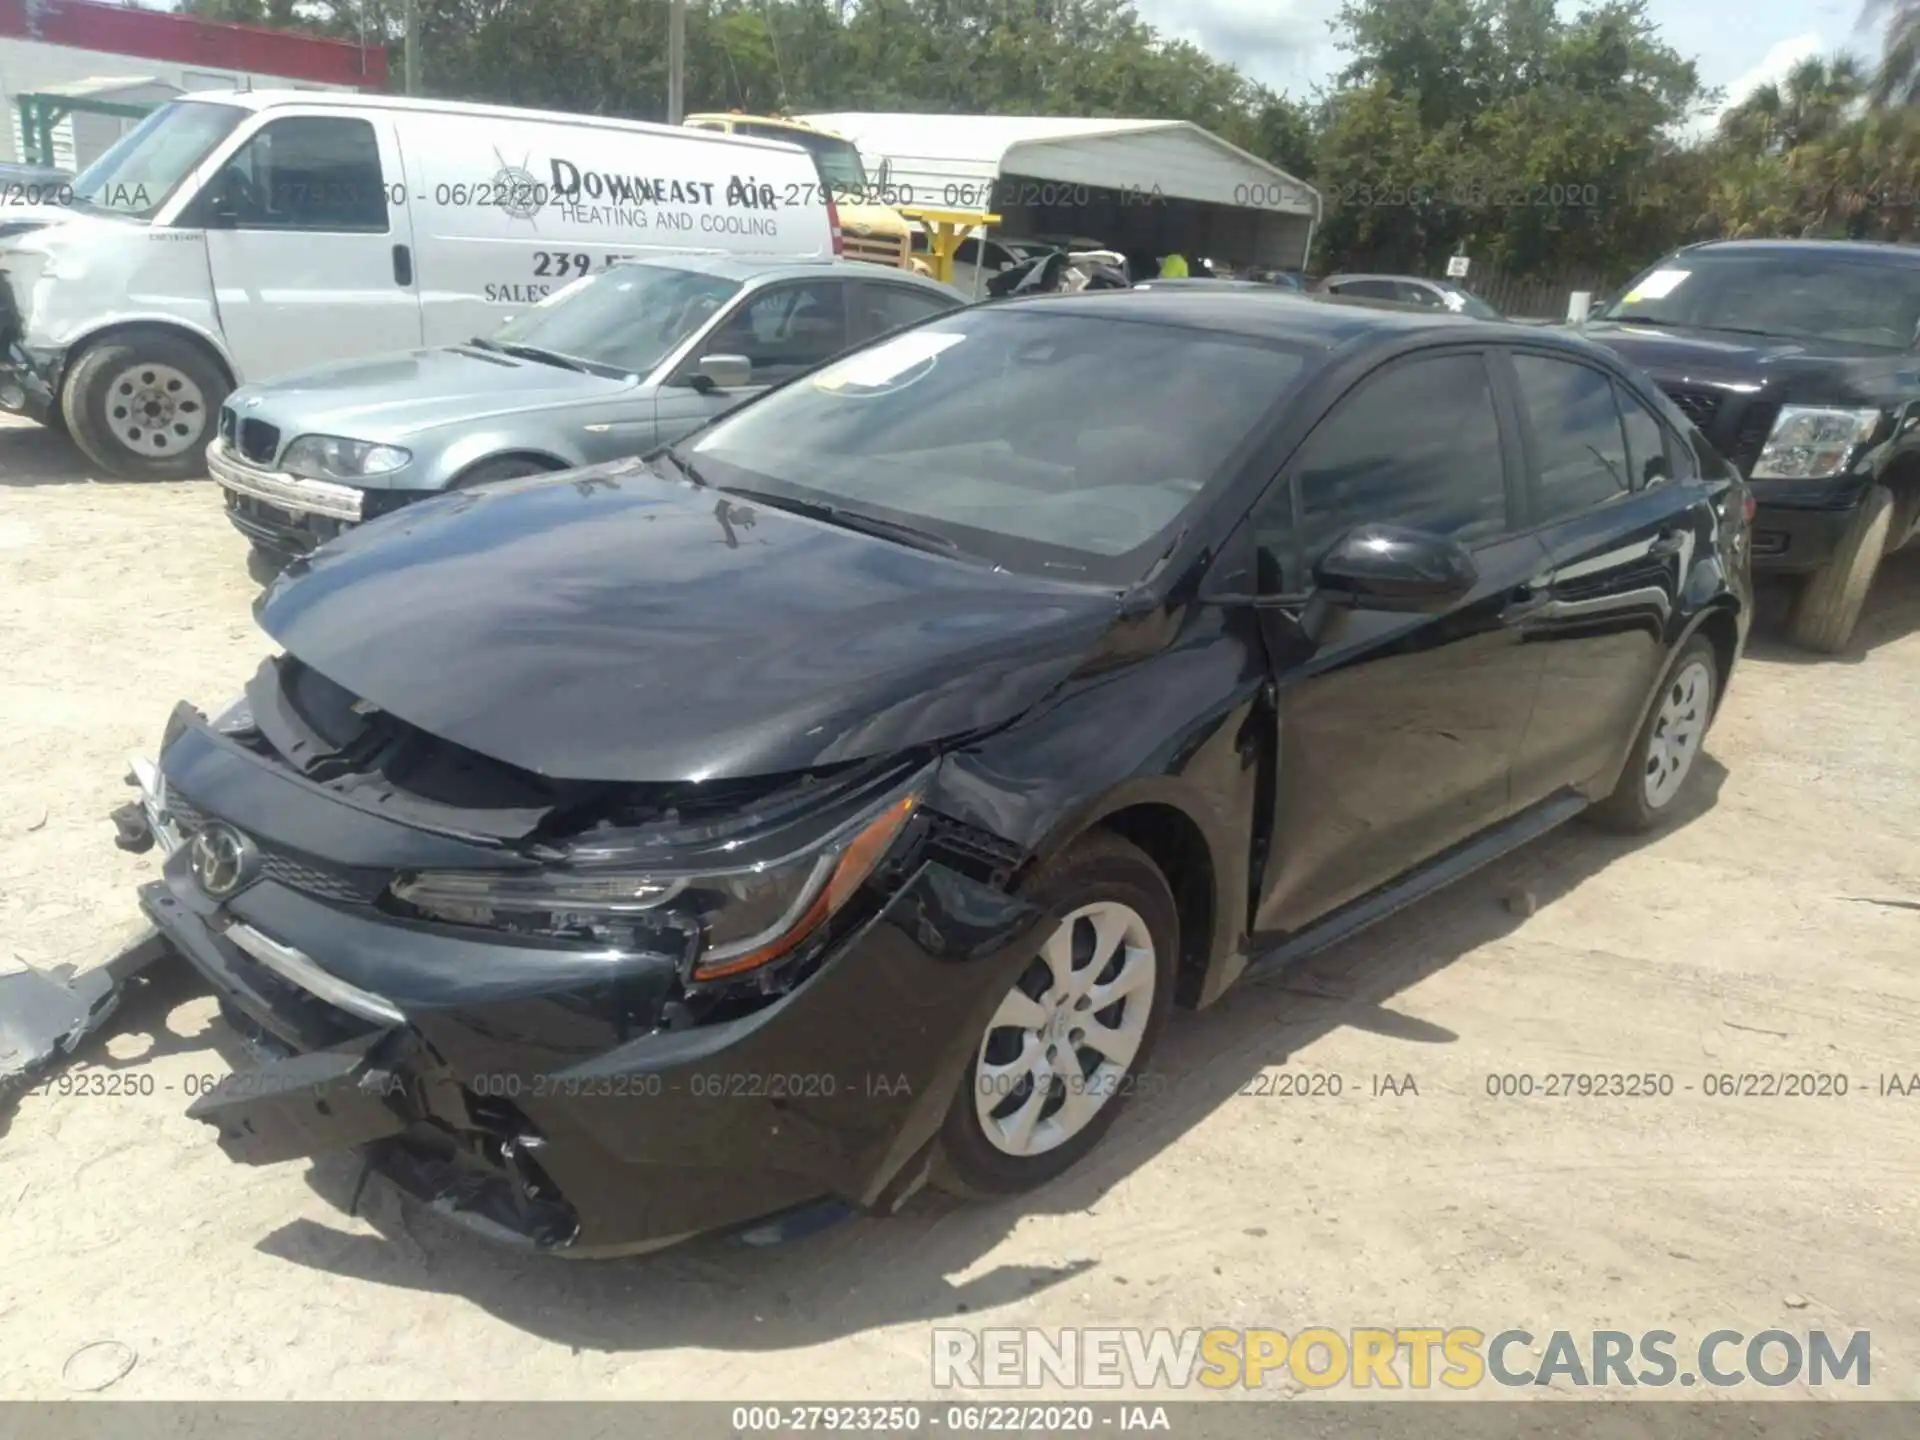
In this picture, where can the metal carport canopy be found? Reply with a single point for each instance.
(1208, 192)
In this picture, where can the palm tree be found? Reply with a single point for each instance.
(1897, 81)
(1811, 104)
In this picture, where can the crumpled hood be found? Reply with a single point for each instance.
(390, 397)
(613, 624)
(1784, 369)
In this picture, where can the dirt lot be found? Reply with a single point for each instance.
(1760, 935)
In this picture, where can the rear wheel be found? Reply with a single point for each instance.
(1669, 743)
(1069, 1039)
(141, 405)
(1830, 603)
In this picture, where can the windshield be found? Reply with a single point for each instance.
(1811, 294)
(839, 159)
(629, 318)
(147, 164)
(1473, 305)
(1046, 442)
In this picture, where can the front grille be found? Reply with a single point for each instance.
(1699, 406)
(1755, 426)
(350, 885)
(226, 423)
(259, 441)
(875, 249)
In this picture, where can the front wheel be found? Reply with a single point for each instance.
(1667, 746)
(141, 405)
(1069, 1040)
(1833, 596)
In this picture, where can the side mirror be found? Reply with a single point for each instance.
(721, 372)
(1388, 567)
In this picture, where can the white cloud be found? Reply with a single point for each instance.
(1773, 68)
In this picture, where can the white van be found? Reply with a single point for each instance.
(232, 237)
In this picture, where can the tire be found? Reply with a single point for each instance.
(1682, 710)
(1104, 874)
(142, 404)
(505, 467)
(1831, 600)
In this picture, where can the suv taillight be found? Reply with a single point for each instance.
(833, 224)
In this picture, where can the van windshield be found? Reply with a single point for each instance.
(147, 164)
(839, 159)
(629, 318)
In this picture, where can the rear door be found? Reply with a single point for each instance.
(314, 263)
(782, 330)
(1397, 733)
(1621, 526)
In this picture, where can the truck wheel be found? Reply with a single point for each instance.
(1071, 1037)
(141, 405)
(1829, 605)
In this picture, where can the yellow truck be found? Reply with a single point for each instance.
(869, 230)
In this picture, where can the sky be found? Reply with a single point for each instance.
(1738, 44)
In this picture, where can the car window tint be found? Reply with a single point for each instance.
(882, 309)
(1578, 449)
(786, 329)
(1647, 462)
(1417, 445)
(1367, 289)
(1419, 295)
(309, 172)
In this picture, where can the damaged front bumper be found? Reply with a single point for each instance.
(28, 380)
(537, 1099)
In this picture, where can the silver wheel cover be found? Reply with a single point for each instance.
(156, 410)
(1679, 725)
(1059, 1047)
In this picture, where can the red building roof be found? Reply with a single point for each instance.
(185, 40)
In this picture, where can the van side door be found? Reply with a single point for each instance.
(310, 243)
(781, 330)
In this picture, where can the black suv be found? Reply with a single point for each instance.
(1797, 359)
(842, 797)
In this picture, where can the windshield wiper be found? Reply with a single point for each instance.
(544, 357)
(481, 343)
(683, 465)
(858, 520)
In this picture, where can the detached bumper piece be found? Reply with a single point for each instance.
(43, 1018)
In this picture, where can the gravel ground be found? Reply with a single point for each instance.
(1772, 931)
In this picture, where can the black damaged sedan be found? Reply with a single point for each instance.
(841, 799)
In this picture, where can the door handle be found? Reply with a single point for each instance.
(402, 265)
(1670, 542)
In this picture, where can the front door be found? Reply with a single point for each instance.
(310, 261)
(1397, 733)
(1622, 514)
(782, 330)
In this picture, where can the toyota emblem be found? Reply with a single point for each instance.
(223, 860)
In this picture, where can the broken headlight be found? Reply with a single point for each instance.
(729, 920)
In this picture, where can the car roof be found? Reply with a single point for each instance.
(1268, 312)
(763, 269)
(1880, 250)
(1410, 279)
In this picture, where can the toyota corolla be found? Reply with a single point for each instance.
(842, 798)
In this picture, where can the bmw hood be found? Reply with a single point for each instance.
(613, 624)
(391, 397)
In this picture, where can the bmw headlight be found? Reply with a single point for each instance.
(330, 457)
(729, 921)
(1810, 442)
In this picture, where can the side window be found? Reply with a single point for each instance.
(1417, 444)
(882, 309)
(1578, 448)
(308, 172)
(1418, 295)
(1368, 290)
(1647, 462)
(786, 329)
